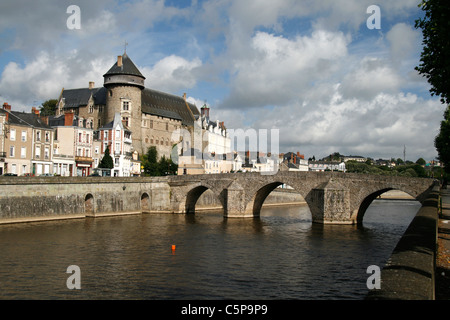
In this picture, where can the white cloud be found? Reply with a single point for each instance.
(171, 74)
(43, 77)
(305, 67)
(277, 69)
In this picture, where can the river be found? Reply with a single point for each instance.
(281, 255)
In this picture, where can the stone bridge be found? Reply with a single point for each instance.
(333, 198)
(339, 198)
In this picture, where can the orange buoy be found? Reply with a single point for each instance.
(173, 247)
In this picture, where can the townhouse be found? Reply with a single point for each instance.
(27, 143)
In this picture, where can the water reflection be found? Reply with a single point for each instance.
(280, 255)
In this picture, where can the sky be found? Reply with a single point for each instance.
(322, 74)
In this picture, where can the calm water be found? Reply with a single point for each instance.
(282, 255)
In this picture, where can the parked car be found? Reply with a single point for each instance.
(46, 175)
(10, 175)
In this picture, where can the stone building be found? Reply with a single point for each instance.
(153, 117)
(3, 116)
(28, 143)
(73, 145)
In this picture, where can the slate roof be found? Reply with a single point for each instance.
(27, 119)
(128, 67)
(74, 98)
(170, 106)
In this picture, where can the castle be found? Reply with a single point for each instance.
(154, 118)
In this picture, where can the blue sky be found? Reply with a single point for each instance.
(310, 69)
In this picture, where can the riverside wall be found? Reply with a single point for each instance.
(409, 273)
(24, 199)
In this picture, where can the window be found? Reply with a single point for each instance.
(24, 136)
(46, 154)
(11, 151)
(38, 152)
(87, 138)
(12, 135)
(38, 135)
(151, 124)
(125, 121)
(23, 152)
(105, 135)
(91, 109)
(47, 136)
(79, 137)
(125, 105)
(167, 127)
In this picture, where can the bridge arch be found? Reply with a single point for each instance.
(194, 194)
(369, 198)
(89, 203)
(145, 201)
(256, 203)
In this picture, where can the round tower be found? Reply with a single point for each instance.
(124, 83)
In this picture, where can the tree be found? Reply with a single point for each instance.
(48, 108)
(150, 162)
(421, 161)
(435, 65)
(435, 57)
(153, 167)
(442, 141)
(107, 161)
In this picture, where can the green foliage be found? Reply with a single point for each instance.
(421, 161)
(413, 170)
(435, 56)
(48, 108)
(107, 161)
(442, 141)
(153, 167)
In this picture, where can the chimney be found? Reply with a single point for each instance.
(119, 61)
(6, 106)
(205, 111)
(184, 96)
(91, 85)
(68, 119)
(44, 119)
(35, 111)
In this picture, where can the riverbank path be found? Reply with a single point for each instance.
(443, 248)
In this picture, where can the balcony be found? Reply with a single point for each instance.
(2, 155)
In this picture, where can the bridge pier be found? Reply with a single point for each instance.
(235, 204)
(330, 204)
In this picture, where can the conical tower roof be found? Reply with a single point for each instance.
(127, 67)
(124, 72)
